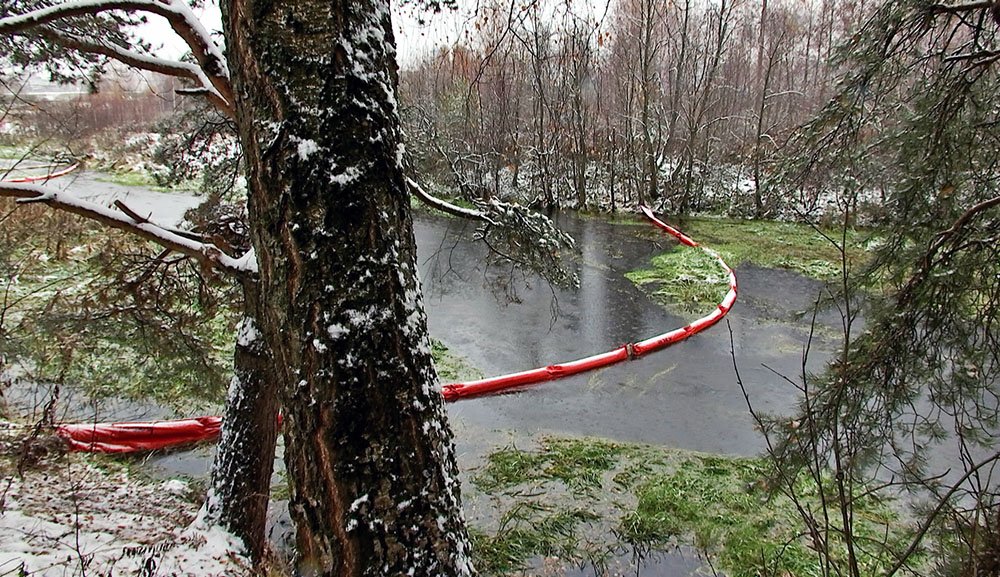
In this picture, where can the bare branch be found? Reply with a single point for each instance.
(444, 206)
(960, 8)
(943, 502)
(205, 253)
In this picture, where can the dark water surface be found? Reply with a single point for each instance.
(686, 396)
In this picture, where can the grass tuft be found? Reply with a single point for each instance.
(587, 501)
(690, 281)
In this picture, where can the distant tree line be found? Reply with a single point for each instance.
(683, 104)
(124, 100)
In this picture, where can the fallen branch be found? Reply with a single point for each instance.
(445, 206)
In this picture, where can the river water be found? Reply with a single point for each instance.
(686, 396)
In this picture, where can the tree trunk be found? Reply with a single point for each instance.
(374, 486)
(241, 474)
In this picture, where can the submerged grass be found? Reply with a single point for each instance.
(684, 278)
(576, 463)
(587, 501)
(451, 367)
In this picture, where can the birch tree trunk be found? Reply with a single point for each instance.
(374, 487)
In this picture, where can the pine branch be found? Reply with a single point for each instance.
(206, 253)
(145, 62)
(183, 21)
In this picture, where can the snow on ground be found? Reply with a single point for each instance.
(71, 515)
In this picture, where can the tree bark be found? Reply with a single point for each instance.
(241, 475)
(374, 486)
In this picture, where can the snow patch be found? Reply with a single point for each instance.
(74, 519)
(247, 333)
(175, 487)
(358, 502)
(349, 175)
(306, 147)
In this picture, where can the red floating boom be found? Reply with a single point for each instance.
(630, 351)
(132, 437)
(44, 177)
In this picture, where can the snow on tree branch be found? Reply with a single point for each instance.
(144, 62)
(205, 253)
(443, 205)
(214, 69)
(958, 8)
(528, 240)
(514, 234)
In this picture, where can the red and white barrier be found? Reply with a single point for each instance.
(132, 437)
(44, 177)
(493, 385)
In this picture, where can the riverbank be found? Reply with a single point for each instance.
(599, 504)
(65, 514)
(559, 506)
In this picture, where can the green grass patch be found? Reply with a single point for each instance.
(14, 152)
(530, 530)
(451, 367)
(691, 281)
(788, 245)
(591, 500)
(133, 178)
(684, 278)
(714, 504)
(579, 464)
